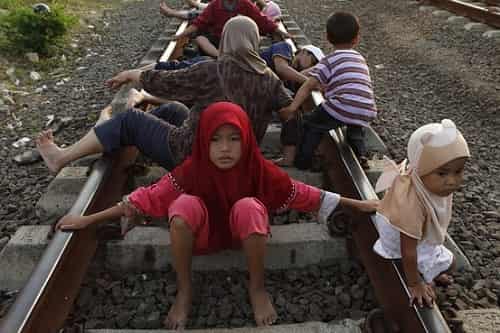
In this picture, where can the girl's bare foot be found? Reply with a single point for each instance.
(179, 311)
(263, 310)
(135, 97)
(50, 152)
(166, 10)
(193, 3)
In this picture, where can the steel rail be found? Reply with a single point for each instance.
(471, 11)
(46, 299)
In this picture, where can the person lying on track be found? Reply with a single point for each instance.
(349, 99)
(268, 8)
(239, 76)
(209, 24)
(291, 68)
(219, 198)
(413, 217)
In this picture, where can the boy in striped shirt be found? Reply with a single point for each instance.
(345, 80)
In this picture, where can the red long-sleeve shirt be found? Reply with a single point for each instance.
(213, 18)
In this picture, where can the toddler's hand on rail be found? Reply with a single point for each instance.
(422, 293)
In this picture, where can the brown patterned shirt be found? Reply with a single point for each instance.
(199, 86)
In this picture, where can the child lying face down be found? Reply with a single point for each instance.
(414, 215)
(219, 198)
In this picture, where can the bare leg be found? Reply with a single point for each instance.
(445, 279)
(181, 238)
(255, 251)
(170, 12)
(207, 46)
(56, 158)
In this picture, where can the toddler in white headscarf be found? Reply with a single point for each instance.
(414, 215)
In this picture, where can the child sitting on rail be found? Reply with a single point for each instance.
(268, 8)
(219, 198)
(347, 86)
(413, 217)
(211, 22)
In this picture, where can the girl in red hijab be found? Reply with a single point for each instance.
(219, 198)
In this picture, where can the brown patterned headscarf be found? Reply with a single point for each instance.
(240, 42)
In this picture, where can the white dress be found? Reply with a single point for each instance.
(432, 259)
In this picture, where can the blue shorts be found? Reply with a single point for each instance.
(280, 49)
(148, 132)
(175, 64)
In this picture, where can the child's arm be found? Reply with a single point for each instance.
(72, 222)
(287, 72)
(419, 290)
(311, 199)
(305, 90)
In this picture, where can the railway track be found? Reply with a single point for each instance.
(471, 10)
(48, 296)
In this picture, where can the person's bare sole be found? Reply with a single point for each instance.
(135, 97)
(179, 311)
(49, 151)
(263, 309)
(282, 162)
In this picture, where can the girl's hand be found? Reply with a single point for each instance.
(72, 222)
(422, 292)
(368, 206)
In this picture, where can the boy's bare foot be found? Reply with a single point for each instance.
(135, 97)
(179, 311)
(50, 152)
(263, 310)
(443, 280)
(282, 162)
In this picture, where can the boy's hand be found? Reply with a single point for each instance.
(420, 293)
(287, 113)
(72, 222)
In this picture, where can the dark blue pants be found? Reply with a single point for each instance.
(148, 132)
(317, 123)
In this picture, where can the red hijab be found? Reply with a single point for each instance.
(252, 176)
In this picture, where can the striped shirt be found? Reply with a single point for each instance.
(348, 89)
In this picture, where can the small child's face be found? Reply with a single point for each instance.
(446, 179)
(303, 60)
(225, 147)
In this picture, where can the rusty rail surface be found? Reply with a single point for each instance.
(47, 298)
(471, 11)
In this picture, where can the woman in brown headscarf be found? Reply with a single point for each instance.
(239, 75)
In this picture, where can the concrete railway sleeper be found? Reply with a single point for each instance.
(48, 296)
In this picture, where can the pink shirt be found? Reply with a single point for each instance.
(155, 200)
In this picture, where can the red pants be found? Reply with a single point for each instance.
(248, 216)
